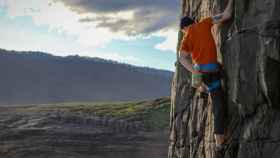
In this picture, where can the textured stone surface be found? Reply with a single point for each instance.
(250, 51)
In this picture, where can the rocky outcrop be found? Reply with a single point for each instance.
(250, 52)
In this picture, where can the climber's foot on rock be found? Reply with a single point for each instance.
(219, 151)
(220, 145)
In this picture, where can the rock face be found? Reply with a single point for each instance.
(249, 50)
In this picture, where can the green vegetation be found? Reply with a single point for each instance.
(154, 113)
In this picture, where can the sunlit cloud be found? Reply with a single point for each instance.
(170, 43)
(59, 19)
(118, 57)
(90, 27)
(13, 38)
(132, 18)
(96, 23)
(145, 16)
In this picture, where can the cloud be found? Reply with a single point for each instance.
(59, 19)
(170, 43)
(13, 38)
(132, 18)
(147, 16)
(94, 23)
(26, 40)
(118, 57)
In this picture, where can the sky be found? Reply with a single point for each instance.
(137, 32)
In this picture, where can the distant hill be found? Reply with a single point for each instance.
(36, 77)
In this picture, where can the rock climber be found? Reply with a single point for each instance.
(198, 43)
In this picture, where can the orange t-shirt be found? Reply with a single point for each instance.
(199, 42)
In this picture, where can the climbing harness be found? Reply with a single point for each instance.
(211, 67)
(214, 85)
(210, 76)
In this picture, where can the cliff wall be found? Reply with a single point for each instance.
(249, 49)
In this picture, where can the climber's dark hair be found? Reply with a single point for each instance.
(186, 21)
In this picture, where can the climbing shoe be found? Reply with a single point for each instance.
(219, 151)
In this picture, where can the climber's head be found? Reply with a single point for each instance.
(185, 22)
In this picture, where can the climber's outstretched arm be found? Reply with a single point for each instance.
(226, 15)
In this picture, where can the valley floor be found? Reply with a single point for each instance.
(79, 131)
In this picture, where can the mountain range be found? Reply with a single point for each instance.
(37, 77)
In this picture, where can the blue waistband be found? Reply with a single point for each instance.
(214, 85)
(206, 67)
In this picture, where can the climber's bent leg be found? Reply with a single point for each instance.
(214, 87)
(218, 111)
(213, 83)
